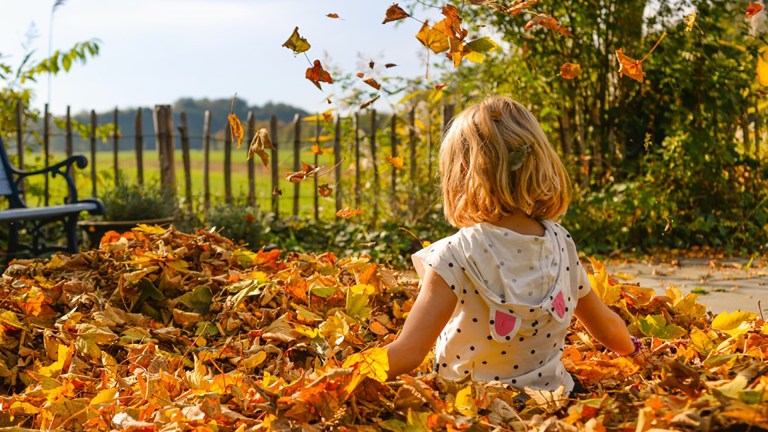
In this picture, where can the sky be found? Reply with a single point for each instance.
(156, 51)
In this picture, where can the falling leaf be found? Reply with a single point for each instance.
(434, 38)
(296, 43)
(317, 74)
(373, 83)
(570, 70)
(389, 65)
(347, 213)
(276, 192)
(299, 176)
(690, 21)
(328, 116)
(371, 64)
(630, 67)
(324, 190)
(360, 75)
(316, 149)
(236, 129)
(475, 50)
(395, 13)
(441, 86)
(395, 161)
(753, 9)
(370, 102)
(519, 6)
(259, 145)
(329, 101)
(333, 15)
(548, 22)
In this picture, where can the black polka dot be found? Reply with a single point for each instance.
(566, 308)
(546, 384)
(466, 372)
(503, 301)
(503, 353)
(492, 321)
(522, 338)
(458, 330)
(471, 347)
(516, 366)
(509, 337)
(539, 374)
(549, 334)
(533, 351)
(462, 302)
(474, 319)
(485, 362)
(458, 357)
(569, 298)
(476, 292)
(489, 337)
(496, 378)
(567, 268)
(534, 324)
(531, 310)
(445, 365)
(464, 291)
(514, 381)
(541, 362)
(450, 264)
(430, 265)
(554, 345)
(519, 251)
(568, 235)
(453, 287)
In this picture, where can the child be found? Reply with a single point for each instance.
(499, 294)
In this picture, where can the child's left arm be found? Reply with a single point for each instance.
(433, 308)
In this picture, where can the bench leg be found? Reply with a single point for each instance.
(13, 239)
(70, 225)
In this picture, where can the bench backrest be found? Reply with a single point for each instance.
(8, 187)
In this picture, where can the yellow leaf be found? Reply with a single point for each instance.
(465, 403)
(150, 229)
(433, 37)
(104, 396)
(701, 341)
(254, 360)
(373, 363)
(11, 319)
(236, 129)
(762, 68)
(64, 356)
(609, 294)
(733, 323)
(296, 43)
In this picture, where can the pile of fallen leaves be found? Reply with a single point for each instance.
(161, 330)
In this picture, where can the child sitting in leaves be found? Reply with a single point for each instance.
(498, 295)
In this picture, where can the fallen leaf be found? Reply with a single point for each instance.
(395, 13)
(317, 74)
(371, 64)
(570, 70)
(328, 116)
(296, 43)
(347, 213)
(389, 65)
(276, 192)
(518, 6)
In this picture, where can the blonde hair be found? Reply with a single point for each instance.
(480, 166)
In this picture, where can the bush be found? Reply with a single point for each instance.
(243, 224)
(128, 202)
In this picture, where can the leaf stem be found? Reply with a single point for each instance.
(663, 35)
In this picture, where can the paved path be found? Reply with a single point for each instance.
(724, 285)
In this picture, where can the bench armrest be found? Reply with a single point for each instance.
(60, 168)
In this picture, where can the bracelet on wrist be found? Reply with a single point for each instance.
(638, 346)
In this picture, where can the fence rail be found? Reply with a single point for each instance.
(346, 154)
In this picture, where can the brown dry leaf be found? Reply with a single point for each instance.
(373, 83)
(296, 43)
(333, 15)
(520, 5)
(324, 190)
(395, 161)
(371, 64)
(370, 102)
(753, 9)
(395, 13)
(317, 74)
(276, 191)
(236, 129)
(630, 67)
(360, 75)
(570, 70)
(548, 22)
(347, 213)
(453, 22)
(328, 116)
(389, 65)
(259, 145)
(299, 176)
(441, 86)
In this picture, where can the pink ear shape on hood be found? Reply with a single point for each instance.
(559, 304)
(504, 323)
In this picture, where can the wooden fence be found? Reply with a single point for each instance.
(169, 138)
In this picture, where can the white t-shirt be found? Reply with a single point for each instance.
(516, 295)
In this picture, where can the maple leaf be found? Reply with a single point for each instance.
(324, 190)
(370, 102)
(259, 145)
(317, 74)
(629, 66)
(299, 176)
(347, 213)
(373, 363)
(434, 38)
(395, 13)
(373, 83)
(236, 129)
(570, 70)
(395, 161)
(452, 22)
(753, 9)
(296, 43)
(475, 50)
(333, 15)
(547, 22)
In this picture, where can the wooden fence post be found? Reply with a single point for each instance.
(275, 178)
(116, 148)
(228, 164)
(413, 191)
(337, 160)
(93, 153)
(46, 152)
(393, 183)
(316, 198)
(296, 160)
(357, 160)
(206, 161)
(251, 162)
(184, 131)
(376, 186)
(139, 132)
(163, 120)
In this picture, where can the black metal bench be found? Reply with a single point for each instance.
(34, 220)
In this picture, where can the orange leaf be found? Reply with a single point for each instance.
(629, 66)
(519, 6)
(379, 329)
(548, 22)
(296, 43)
(299, 176)
(570, 70)
(324, 190)
(453, 22)
(395, 161)
(753, 9)
(441, 86)
(236, 128)
(333, 15)
(373, 83)
(328, 116)
(317, 150)
(259, 145)
(347, 213)
(433, 37)
(395, 13)
(370, 102)
(360, 75)
(389, 65)
(317, 74)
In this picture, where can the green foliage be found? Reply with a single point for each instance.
(241, 223)
(127, 202)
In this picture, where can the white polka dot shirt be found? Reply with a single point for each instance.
(516, 295)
